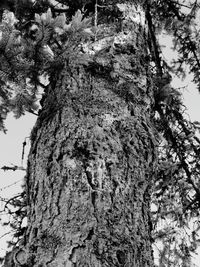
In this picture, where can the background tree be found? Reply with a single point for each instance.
(110, 134)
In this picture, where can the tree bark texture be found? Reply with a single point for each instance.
(91, 165)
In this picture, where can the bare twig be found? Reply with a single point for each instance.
(5, 187)
(14, 168)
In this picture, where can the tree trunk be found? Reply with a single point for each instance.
(91, 165)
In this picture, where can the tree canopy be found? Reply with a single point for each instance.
(38, 38)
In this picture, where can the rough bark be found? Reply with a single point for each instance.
(90, 169)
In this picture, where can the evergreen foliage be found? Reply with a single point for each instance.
(46, 37)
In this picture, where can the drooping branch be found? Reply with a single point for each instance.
(181, 156)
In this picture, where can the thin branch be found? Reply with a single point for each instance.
(23, 149)
(14, 168)
(32, 112)
(12, 203)
(8, 233)
(5, 187)
(95, 18)
(177, 3)
(42, 85)
(153, 39)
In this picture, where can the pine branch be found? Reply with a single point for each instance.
(180, 155)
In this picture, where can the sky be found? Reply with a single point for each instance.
(11, 145)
